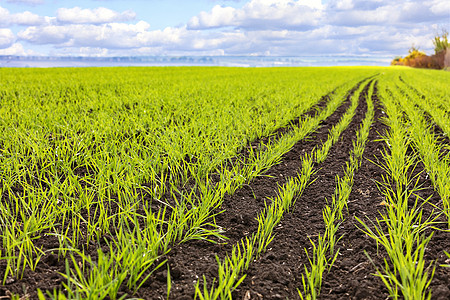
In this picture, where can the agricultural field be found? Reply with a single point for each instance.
(225, 183)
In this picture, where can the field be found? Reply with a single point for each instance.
(220, 183)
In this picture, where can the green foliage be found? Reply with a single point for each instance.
(126, 156)
(440, 42)
(323, 253)
(403, 231)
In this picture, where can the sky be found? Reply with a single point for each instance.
(103, 28)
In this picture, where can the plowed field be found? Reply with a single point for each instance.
(225, 183)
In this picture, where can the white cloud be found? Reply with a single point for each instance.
(440, 7)
(219, 16)
(16, 49)
(99, 15)
(262, 14)
(25, 18)
(4, 17)
(7, 38)
(111, 35)
(360, 13)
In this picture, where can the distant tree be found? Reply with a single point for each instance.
(418, 59)
(441, 42)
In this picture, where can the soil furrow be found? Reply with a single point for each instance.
(313, 111)
(278, 133)
(352, 274)
(277, 274)
(242, 155)
(191, 260)
(440, 242)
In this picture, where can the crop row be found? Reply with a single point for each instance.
(250, 248)
(405, 229)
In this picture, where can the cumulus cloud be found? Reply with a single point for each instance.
(7, 38)
(439, 7)
(359, 13)
(219, 16)
(99, 15)
(25, 18)
(16, 49)
(4, 17)
(111, 35)
(261, 14)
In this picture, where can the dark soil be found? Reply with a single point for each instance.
(194, 259)
(277, 274)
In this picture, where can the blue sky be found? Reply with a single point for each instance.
(219, 27)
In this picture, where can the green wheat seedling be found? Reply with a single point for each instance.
(319, 261)
(55, 295)
(250, 249)
(324, 254)
(405, 243)
(437, 166)
(401, 231)
(127, 258)
(135, 252)
(100, 282)
(20, 251)
(228, 279)
(273, 213)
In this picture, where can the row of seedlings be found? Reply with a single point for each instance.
(324, 253)
(249, 249)
(401, 230)
(430, 149)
